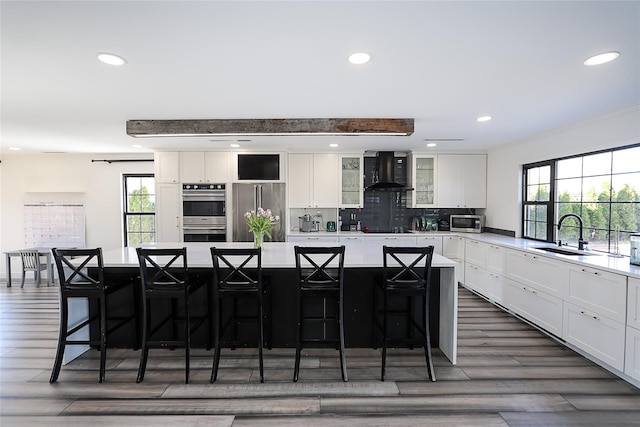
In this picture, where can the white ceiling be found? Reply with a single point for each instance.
(441, 63)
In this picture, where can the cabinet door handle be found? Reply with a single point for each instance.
(586, 313)
(529, 290)
(584, 270)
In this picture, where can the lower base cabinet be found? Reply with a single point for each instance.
(632, 356)
(597, 335)
(537, 307)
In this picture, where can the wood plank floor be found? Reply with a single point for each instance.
(508, 374)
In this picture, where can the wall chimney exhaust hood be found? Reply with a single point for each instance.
(269, 127)
(385, 166)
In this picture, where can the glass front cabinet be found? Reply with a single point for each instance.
(423, 181)
(351, 180)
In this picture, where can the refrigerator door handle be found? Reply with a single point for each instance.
(258, 195)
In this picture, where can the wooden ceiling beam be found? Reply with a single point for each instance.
(355, 126)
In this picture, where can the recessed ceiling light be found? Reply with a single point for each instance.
(431, 144)
(234, 145)
(333, 145)
(359, 58)
(111, 59)
(601, 58)
(483, 119)
(14, 148)
(137, 146)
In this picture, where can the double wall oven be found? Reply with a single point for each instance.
(204, 214)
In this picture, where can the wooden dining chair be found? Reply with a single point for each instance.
(31, 262)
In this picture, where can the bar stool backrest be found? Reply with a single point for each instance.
(163, 269)
(237, 268)
(407, 266)
(72, 267)
(320, 267)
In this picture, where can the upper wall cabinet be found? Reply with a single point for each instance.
(313, 180)
(462, 181)
(208, 166)
(351, 181)
(166, 166)
(422, 177)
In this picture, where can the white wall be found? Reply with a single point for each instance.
(504, 174)
(65, 178)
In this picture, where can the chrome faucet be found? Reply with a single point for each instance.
(581, 241)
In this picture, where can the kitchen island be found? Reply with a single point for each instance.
(363, 268)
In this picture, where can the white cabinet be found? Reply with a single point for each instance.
(168, 212)
(392, 240)
(475, 252)
(597, 291)
(166, 165)
(422, 177)
(426, 240)
(632, 353)
(351, 181)
(537, 272)
(462, 181)
(313, 238)
(484, 269)
(208, 166)
(352, 240)
(313, 180)
(633, 303)
(496, 257)
(453, 248)
(537, 307)
(596, 334)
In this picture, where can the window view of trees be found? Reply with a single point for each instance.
(602, 188)
(140, 209)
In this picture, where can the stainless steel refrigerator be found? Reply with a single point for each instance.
(246, 197)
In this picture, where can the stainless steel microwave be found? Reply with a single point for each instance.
(466, 223)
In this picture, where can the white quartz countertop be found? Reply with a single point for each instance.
(274, 255)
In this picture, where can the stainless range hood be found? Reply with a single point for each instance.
(385, 166)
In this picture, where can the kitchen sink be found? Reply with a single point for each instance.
(561, 251)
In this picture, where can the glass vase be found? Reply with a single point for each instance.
(258, 237)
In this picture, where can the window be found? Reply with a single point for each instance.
(602, 188)
(139, 209)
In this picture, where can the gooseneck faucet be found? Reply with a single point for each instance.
(581, 241)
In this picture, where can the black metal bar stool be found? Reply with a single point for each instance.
(165, 276)
(406, 275)
(237, 276)
(320, 274)
(75, 282)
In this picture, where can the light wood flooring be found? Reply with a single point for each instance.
(508, 374)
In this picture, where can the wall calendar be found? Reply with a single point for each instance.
(54, 225)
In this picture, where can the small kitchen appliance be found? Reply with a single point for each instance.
(307, 224)
(466, 223)
(634, 240)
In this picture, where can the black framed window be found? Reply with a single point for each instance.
(139, 209)
(603, 188)
(538, 200)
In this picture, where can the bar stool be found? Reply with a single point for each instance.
(320, 274)
(407, 274)
(238, 275)
(165, 276)
(75, 282)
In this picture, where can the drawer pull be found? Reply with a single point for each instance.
(584, 270)
(530, 290)
(586, 313)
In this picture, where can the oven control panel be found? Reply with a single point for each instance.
(196, 187)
